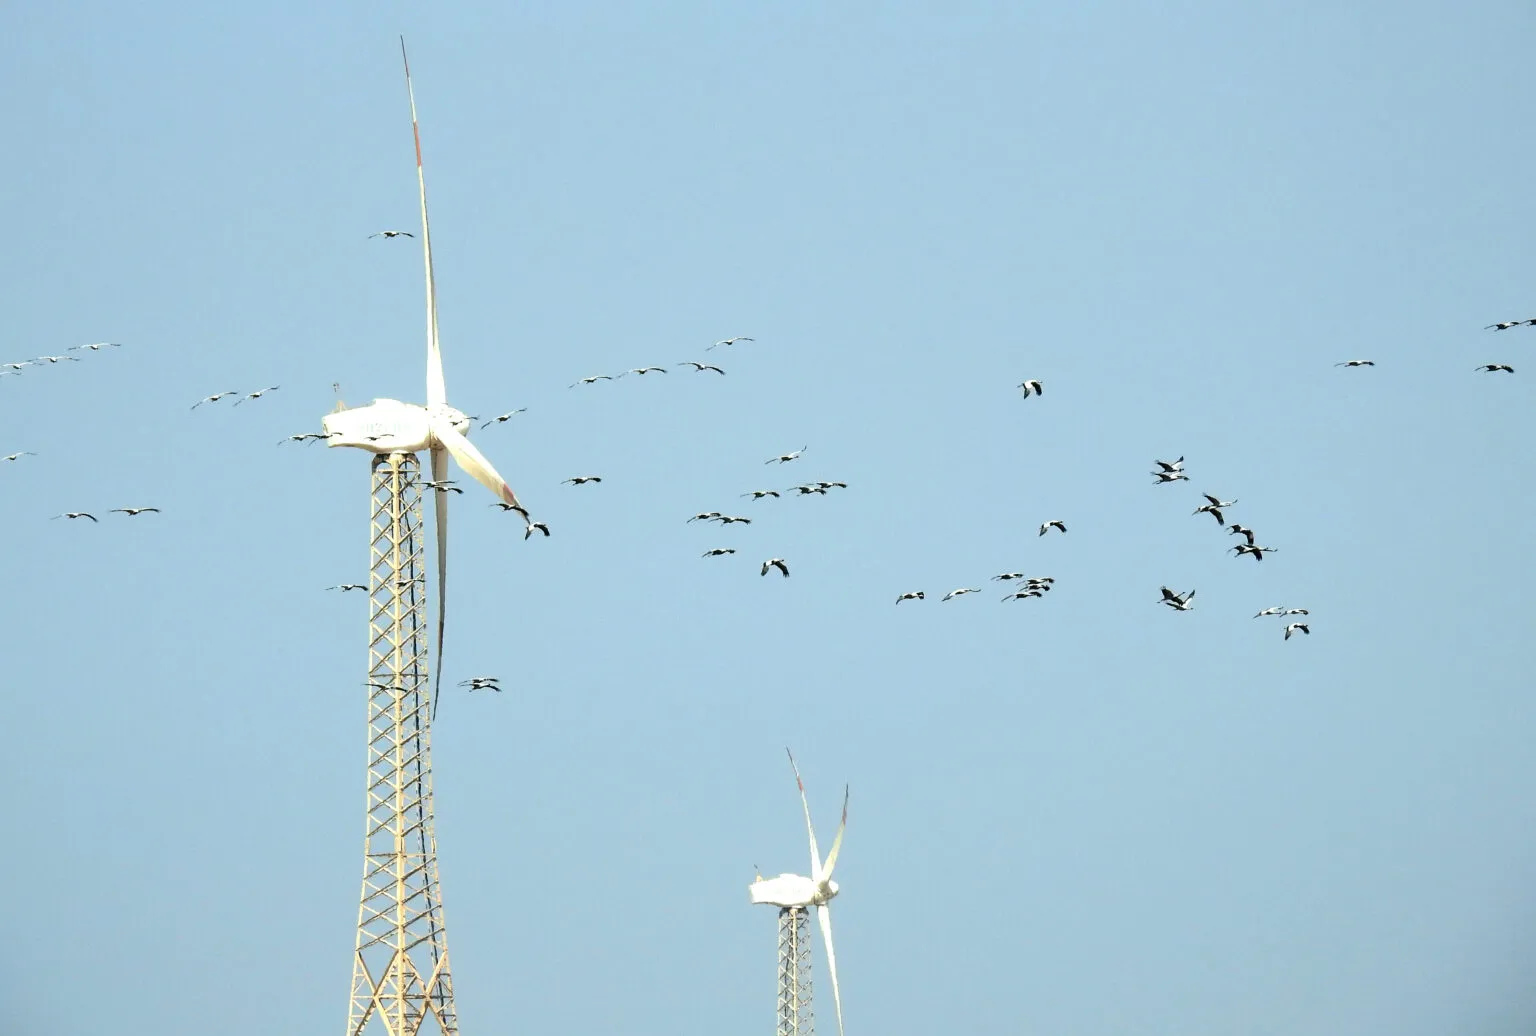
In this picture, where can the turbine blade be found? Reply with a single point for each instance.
(440, 472)
(815, 853)
(824, 917)
(471, 460)
(437, 394)
(837, 843)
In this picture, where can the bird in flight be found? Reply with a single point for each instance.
(1295, 611)
(445, 486)
(785, 458)
(732, 341)
(1169, 465)
(76, 514)
(504, 417)
(1241, 530)
(725, 519)
(1008, 575)
(258, 394)
(1031, 388)
(213, 398)
(1164, 477)
(1493, 367)
(56, 359)
(1356, 363)
(1178, 601)
(393, 233)
(535, 526)
(717, 552)
(806, 490)
(1028, 591)
(97, 346)
(758, 494)
(1257, 552)
(512, 507)
(1270, 611)
(960, 592)
(704, 516)
(1293, 627)
(700, 368)
(345, 587)
(1505, 325)
(477, 683)
(911, 595)
(645, 370)
(1046, 527)
(830, 485)
(593, 378)
(134, 512)
(777, 563)
(13, 456)
(581, 480)
(308, 437)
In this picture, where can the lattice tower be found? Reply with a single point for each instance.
(794, 1015)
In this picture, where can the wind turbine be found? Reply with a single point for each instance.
(400, 969)
(794, 895)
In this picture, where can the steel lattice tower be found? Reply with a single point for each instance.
(794, 1014)
(400, 972)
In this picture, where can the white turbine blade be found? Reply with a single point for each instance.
(437, 394)
(471, 460)
(440, 472)
(824, 916)
(815, 853)
(837, 843)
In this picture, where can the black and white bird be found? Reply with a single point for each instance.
(1031, 388)
(134, 512)
(704, 516)
(1177, 601)
(392, 233)
(1169, 476)
(1170, 465)
(960, 592)
(1293, 627)
(504, 417)
(732, 341)
(345, 587)
(777, 563)
(581, 480)
(56, 359)
(1295, 611)
(1043, 581)
(1019, 595)
(1270, 611)
(76, 514)
(258, 394)
(830, 485)
(727, 519)
(304, 437)
(445, 486)
(785, 458)
(1005, 576)
(1492, 368)
(535, 527)
(1505, 325)
(1257, 552)
(806, 490)
(592, 379)
(480, 683)
(758, 494)
(645, 370)
(700, 368)
(1056, 523)
(717, 552)
(1241, 530)
(15, 368)
(1356, 363)
(911, 595)
(98, 346)
(512, 507)
(14, 456)
(213, 398)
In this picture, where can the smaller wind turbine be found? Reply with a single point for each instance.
(794, 894)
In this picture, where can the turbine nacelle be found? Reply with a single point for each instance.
(390, 426)
(791, 890)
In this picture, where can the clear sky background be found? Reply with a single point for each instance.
(1086, 814)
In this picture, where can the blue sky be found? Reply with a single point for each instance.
(1082, 814)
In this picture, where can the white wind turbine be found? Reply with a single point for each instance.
(400, 973)
(794, 894)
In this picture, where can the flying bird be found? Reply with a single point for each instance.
(535, 526)
(97, 346)
(344, 587)
(23, 453)
(717, 552)
(581, 480)
(725, 519)
(912, 595)
(1257, 552)
(16, 367)
(777, 563)
(477, 683)
(1494, 367)
(213, 398)
(700, 368)
(1505, 325)
(504, 417)
(1178, 601)
(1356, 363)
(758, 494)
(732, 341)
(1056, 524)
(960, 593)
(1293, 627)
(1031, 388)
(1008, 575)
(134, 512)
(445, 486)
(1170, 476)
(593, 378)
(1270, 611)
(645, 370)
(76, 514)
(1165, 465)
(1032, 591)
(1241, 530)
(56, 359)
(785, 458)
(806, 490)
(512, 507)
(304, 437)
(1295, 611)
(257, 395)
(392, 233)
(831, 485)
(704, 516)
